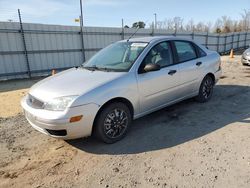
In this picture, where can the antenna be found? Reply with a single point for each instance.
(138, 27)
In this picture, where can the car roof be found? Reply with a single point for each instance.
(155, 38)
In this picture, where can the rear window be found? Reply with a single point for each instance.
(185, 51)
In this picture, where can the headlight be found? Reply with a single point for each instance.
(247, 53)
(60, 103)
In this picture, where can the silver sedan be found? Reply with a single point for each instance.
(124, 81)
(245, 58)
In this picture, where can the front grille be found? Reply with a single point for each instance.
(34, 102)
(62, 132)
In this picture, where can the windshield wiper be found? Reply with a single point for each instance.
(104, 69)
(91, 68)
(94, 67)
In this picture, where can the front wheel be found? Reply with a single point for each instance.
(113, 122)
(206, 89)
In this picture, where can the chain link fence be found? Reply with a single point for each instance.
(30, 50)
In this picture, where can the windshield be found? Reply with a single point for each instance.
(119, 56)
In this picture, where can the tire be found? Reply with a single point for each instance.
(206, 89)
(112, 122)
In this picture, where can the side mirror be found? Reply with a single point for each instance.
(152, 67)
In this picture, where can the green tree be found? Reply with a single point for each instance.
(218, 30)
(139, 24)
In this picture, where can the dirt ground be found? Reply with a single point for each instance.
(185, 145)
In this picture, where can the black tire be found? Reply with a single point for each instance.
(206, 89)
(112, 123)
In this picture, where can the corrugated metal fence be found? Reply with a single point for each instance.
(36, 49)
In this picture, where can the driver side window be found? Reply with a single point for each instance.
(160, 54)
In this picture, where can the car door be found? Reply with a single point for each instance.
(189, 67)
(158, 88)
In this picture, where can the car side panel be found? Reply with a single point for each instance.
(190, 75)
(211, 65)
(158, 87)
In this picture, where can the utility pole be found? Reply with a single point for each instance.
(81, 31)
(155, 20)
(24, 43)
(81, 20)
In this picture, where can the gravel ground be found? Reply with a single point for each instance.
(185, 145)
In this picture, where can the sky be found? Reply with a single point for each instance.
(110, 12)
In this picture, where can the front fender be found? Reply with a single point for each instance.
(123, 87)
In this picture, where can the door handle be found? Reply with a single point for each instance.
(198, 63)
(171, 72)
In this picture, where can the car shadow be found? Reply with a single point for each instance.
(178, 124)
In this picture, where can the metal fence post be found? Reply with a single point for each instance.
(153, 29)
(218, 42)
(245, 42)
(193, 35)
(81, 32)
(238, 41)
(225, 44)
(206, 42)
(24, 44)
(232, 44)
(122, 30)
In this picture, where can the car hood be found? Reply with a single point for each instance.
(75, 81)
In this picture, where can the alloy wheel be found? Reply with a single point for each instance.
(115, 123)
(207, 88)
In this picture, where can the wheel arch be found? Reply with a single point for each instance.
(116, 99)
(211, 75)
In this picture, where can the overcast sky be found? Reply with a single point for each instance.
(110, 12)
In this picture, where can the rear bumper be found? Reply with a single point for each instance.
(57, 124)
(217, 75)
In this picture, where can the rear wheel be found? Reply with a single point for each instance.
(206, 89)
(112, 122)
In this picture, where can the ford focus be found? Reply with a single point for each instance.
(124, 81)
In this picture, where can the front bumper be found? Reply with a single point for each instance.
(57, 124)
(245, 60)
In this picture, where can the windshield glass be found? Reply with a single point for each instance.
(119, 56)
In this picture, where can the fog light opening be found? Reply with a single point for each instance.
(75, 119)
